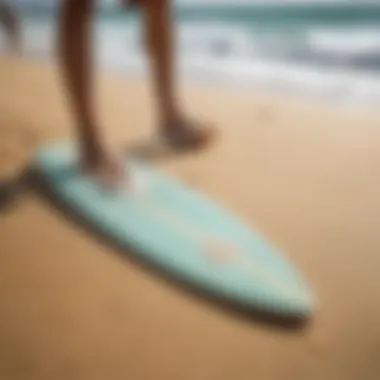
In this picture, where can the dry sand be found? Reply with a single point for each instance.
(307, 176)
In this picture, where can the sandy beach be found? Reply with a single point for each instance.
(306, 175)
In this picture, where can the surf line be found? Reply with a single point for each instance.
(187, 228)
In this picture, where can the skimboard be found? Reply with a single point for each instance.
(181, 231)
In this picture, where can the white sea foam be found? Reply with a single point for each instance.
(238, 56)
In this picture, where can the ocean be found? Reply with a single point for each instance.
(329, 52)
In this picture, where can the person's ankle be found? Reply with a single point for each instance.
(92, 154)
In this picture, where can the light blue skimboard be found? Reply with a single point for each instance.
(182, 232)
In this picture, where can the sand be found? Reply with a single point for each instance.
(307, 176)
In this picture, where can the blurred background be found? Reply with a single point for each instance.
(328, 50)
(305, 175)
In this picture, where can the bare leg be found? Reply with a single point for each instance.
(77, 64)
(159, 40)
(11, 21)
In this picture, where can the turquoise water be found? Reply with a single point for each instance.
(329, 51)
(333, 14)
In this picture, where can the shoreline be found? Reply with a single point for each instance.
(261, 92)
(283, 75)
(269, 91)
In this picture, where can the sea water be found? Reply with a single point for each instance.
(327, 50)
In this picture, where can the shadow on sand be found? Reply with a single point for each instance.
(10, 191)
(34, 183)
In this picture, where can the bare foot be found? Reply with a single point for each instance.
(105, 169)
(188, 135)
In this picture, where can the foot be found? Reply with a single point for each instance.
(187, 135)
(105, 169)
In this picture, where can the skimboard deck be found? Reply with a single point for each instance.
(181, 231)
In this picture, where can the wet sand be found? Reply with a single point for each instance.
(307, 176)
